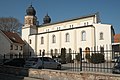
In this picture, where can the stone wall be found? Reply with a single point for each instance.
(65, 75)
(45, 74)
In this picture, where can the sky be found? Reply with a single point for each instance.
(59, 10)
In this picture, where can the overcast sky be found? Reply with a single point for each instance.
(59, 10)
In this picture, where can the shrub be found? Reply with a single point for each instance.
(68, 57)
(63, 57)
(97, 58)
(87, 56)
(78, 57)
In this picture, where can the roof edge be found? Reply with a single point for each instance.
(81, 17)
(5, 36)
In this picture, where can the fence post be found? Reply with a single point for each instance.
(80, 59)
(43, 53)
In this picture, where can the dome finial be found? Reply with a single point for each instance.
(31, 3)
(46, 19)
(30, 10)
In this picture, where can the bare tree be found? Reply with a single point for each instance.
(10, 24)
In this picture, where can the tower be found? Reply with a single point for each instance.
(30, 18)
(29, 26)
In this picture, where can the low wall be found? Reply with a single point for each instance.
(66, 75)
(38, 74)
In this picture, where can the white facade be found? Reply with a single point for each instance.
(4, 48)
(83, 27)
(9, 47)
(73, 34)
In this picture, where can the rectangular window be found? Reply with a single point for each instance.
(30, 41)
(11, 47)
(16, 47)
(21, 48)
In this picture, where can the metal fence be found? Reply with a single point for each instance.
(95, 61)
(88, 60)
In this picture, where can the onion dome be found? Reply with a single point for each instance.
(46, 19)
(31, 11)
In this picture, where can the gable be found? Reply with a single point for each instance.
(13, 37)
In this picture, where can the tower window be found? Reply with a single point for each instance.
(29, 22)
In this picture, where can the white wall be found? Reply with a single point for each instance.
(5, 47)
(32, 47)
(4, 44)
(42, 46)
(87, 24)
(72, 41)
(92, 38)
(89, 42)
(17, 51)
(68, 24)
(107, 32)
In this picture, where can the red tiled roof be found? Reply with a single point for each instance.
(117, 38)
(14, 37)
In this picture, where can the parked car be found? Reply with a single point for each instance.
(2, 61)
(17, 62)
(42, 62)
(116, 68)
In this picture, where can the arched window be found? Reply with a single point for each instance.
(42, 40)
(51, 52)
(40, 52)
(43, 53)
(87, 49)
(56, 52)
(53, 39)
(83, 36)
(87, 53)
(102, 49)
(29, 21)
(67, 37)
(70, 51)
(101, 36)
